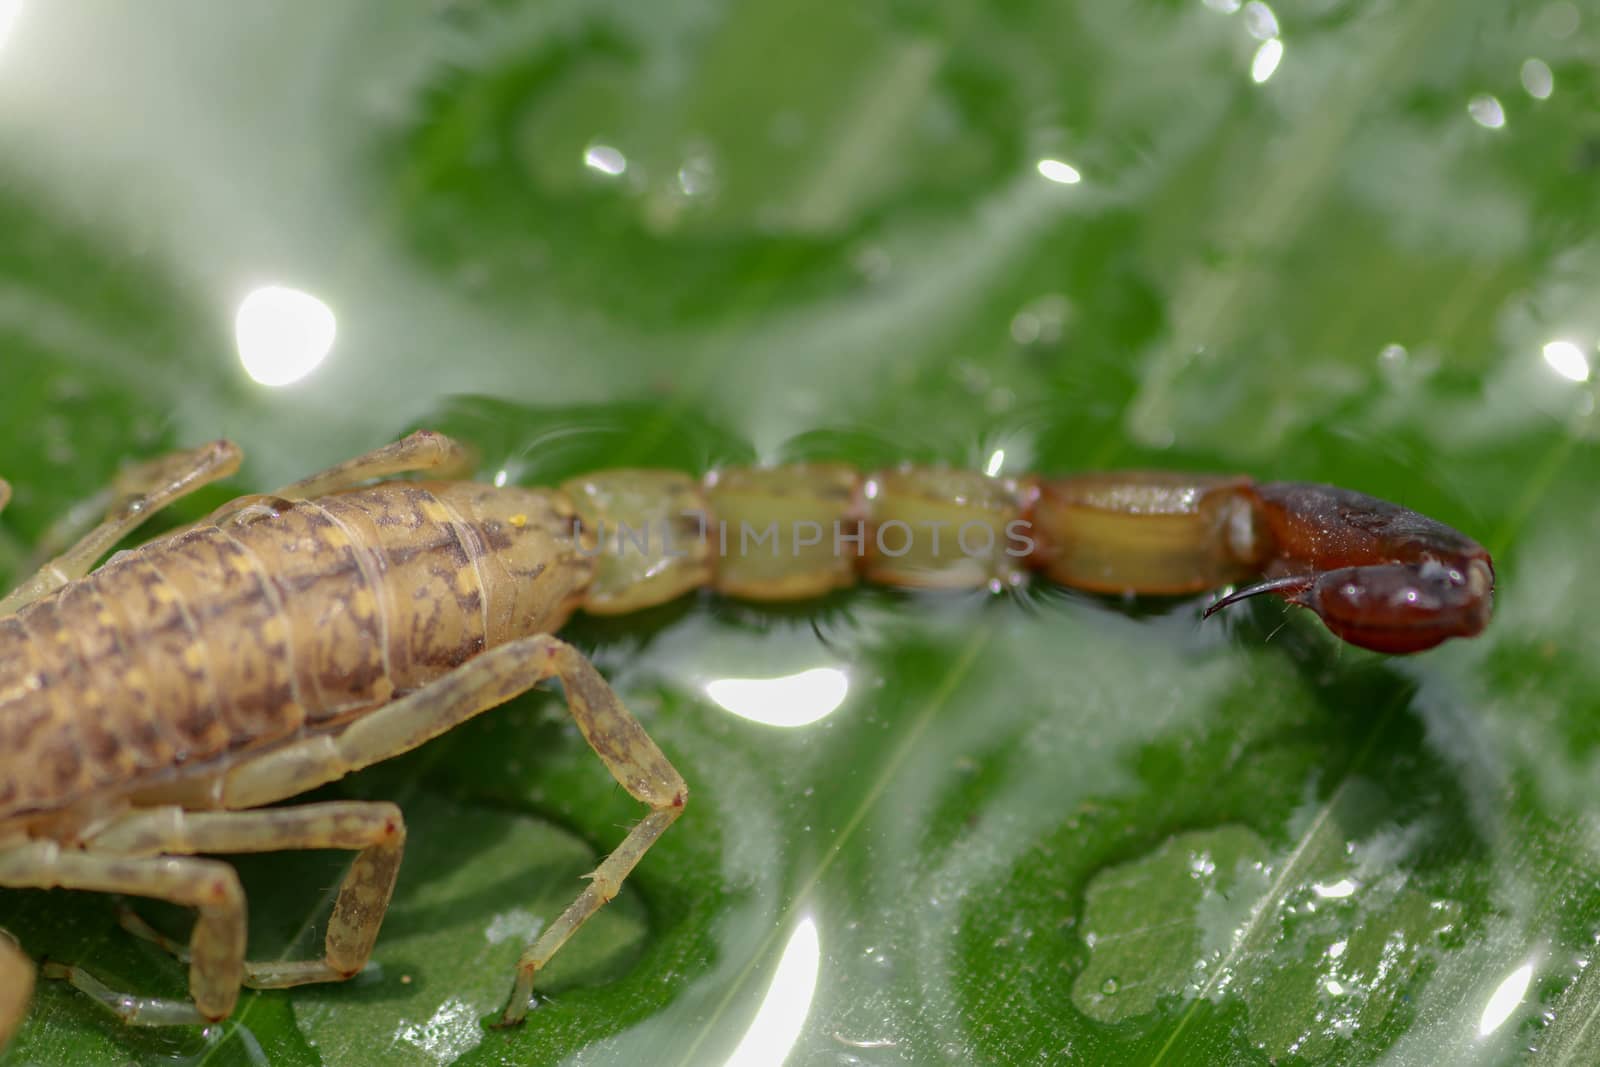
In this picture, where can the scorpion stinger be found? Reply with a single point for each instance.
(1290, 588)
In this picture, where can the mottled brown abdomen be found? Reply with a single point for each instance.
(228, 638)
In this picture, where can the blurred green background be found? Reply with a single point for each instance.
(1337, 240)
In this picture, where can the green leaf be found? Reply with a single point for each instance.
(1042, 827)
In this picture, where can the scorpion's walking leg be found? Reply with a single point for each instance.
(482, 683)
(216, 948)
(424, 450)
(128, 484)
(138, 494)
(374, 830)
(16, 983)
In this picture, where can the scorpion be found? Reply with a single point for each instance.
(152, 710)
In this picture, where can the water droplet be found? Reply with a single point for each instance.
(1560, 19)
(1266, 60)
(1567, 360)
(1109, 987)
(973, 378)
(1538, 79)
(697, 176)
(1259, 21)
(604, 159)
(1024, 328)
(1058, 171)
(1486, 111)
(1041, 321)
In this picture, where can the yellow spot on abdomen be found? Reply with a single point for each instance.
(433, 511)
(363, 605)
(518, 520)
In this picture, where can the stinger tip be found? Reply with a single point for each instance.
(1285, 586)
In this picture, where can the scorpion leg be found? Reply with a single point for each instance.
(130, 482)
(138, 494)
(16, 983)
(374, 830)
(216, 947)
(424, 450)
(477, 685)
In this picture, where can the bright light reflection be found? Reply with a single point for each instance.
(1567, 360)
(1227, 7)
(996, 461)
(1057, 171)
(282, 334)
(1504, 1000)
(604, 159)
(1486, 112)
(793, 700)
(1259, 21)
(1338, 890)
(9, 10)
(1268, 56)
(776, 1027)
(1538, 79)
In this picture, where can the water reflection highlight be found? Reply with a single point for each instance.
(1486, 112)
(1538, 79)
(603, 159)
(789, 701)
(1057, 171)
(776, 1027)
(1567, 360)
(282, 334)
(1259, 21)
(1504, 1000)
(1266, 60)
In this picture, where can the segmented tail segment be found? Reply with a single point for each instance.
(1379, 576)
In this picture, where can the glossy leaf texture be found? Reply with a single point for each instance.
(1349, 242)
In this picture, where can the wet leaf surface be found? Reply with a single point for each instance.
(1046, 827)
